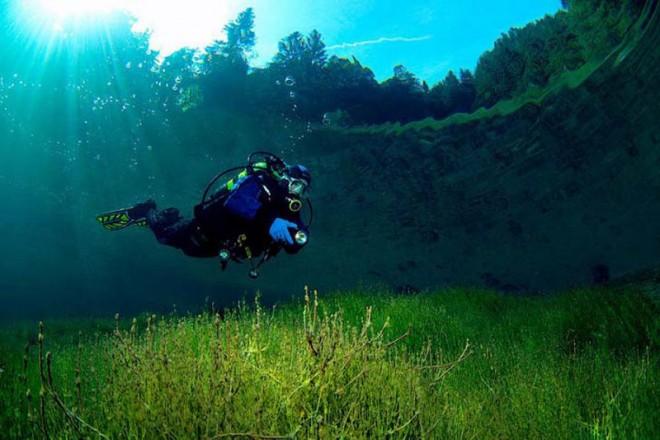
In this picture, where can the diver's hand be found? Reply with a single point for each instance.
(279, 231)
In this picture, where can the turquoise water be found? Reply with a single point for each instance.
(547, 193)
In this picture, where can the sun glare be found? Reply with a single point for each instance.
(78, 8)
(184, 23)
(173, 24)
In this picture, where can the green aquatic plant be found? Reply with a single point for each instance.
(209, 376)
(353, 365)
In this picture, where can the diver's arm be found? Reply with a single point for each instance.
(258, 201)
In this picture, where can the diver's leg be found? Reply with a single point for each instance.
(141, 210)
(169, 227)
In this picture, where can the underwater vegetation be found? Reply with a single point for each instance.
(370, 364)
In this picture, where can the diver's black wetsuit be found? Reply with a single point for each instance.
(248, 209)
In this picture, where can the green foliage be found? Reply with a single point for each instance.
(240, 35)
(402, 96)
(582, 364)
(532, 56)
(601, 24)
(451, 95)
(350, 74)
(615, 324)
(522, 60)
(351, 87)
(222, 71)
(301, 56)
(191, 97)
(238, 47)
(527, 57)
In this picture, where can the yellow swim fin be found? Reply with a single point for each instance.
(117, 220)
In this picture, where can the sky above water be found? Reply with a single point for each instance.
(429, 37)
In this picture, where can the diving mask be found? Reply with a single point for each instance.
(296, 187)
(298, 179)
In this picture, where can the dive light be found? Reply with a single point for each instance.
(300, 238)
(224, 256)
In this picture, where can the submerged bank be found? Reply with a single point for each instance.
(555, 189)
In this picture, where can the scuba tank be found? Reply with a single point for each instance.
(270, 163)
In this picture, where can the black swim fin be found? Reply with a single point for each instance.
(123, 218)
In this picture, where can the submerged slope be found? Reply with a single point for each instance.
(556, 190)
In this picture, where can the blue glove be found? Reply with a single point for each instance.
(279, 231)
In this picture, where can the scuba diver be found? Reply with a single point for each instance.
(252, 216)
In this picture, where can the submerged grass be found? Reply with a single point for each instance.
(452, 364)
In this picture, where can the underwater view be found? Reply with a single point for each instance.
(337, 219)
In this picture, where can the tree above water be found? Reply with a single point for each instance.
(221, 76)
